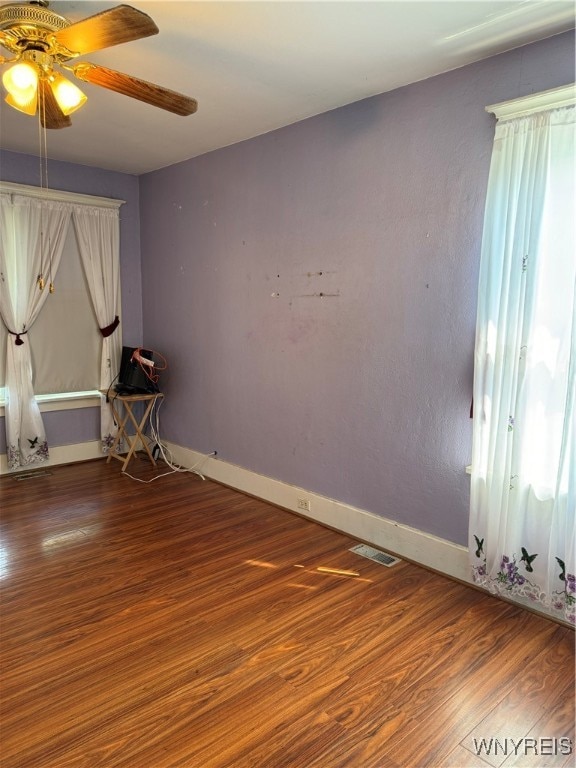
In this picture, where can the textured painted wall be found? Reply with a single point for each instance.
(314, 291)
(68, 427)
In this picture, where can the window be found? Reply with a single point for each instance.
(73, 342)
(523, 492)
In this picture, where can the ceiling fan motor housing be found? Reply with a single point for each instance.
(25, 26)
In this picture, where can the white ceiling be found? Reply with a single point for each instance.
(257, 66)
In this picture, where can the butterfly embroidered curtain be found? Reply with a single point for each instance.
(523, 493)
(31, 231)
(98, 234)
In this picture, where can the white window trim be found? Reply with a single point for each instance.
(565, 96)
(63, 401)
(59, 195)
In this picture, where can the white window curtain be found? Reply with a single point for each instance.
(523, 493)
(32, 234)
(97, 230)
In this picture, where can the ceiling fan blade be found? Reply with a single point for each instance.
(117, 25)
(51, 116)
(127, 85)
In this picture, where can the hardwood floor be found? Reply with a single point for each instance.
(183, 624)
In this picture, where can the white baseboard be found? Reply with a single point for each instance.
(61, 454)
(406, 542)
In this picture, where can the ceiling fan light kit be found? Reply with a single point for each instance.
(21, 82)
(69, 96)
(42, 44)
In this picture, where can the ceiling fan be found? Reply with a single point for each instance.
(43, 43)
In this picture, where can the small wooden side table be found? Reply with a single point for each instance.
(123, 415)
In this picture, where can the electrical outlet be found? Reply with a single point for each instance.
(303, 504)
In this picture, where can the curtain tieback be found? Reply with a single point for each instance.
(109, 330)
(18, 341)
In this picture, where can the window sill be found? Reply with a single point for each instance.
(65, 401)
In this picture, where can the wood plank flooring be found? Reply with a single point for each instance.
(180, 624)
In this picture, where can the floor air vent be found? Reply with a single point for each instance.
(32, 475)
(375, 554)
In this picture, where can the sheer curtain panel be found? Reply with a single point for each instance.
(523, 493)
(97, 230)
(32, 234)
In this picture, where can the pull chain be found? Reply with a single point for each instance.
(44, 185)
(40, 279)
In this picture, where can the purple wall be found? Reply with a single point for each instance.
(75, 426)
(314, 291)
